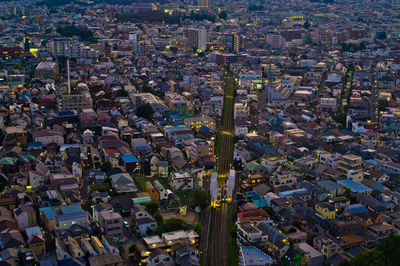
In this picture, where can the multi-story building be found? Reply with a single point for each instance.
(47, 70)
(111, 222)
(201, 148)
(148, 98)
(248, 234)
(276, 41)
(77, 101)
(198, 121)
(72, 49)
(233, 42)
(48, 136)
(271, 163)
(178, 104)
(282, 177)
(196, 39)
(312, 257)
(350, 166)
(182, 181)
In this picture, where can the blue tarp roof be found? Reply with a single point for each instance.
(130, 158)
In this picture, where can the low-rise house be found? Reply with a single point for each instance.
(326, 210)
(25, 215)
(110, 259)
(275, 238)
(312, 257)
(97, 245)
(36, 240)
(249, 234)
(159, 256)
(182, 181)
(158, 167)
(143, 221)
(65, 221)
(123, 183)
(162, 192)
(111, 222)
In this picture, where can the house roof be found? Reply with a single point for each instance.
(71, 216)
(130, 158)
(49, 212)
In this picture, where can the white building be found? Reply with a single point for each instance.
(197, 38)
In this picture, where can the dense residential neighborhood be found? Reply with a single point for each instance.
(199, 133)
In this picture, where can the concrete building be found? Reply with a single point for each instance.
(197, 38)
(350, 166)
(276, 41)
(111, 222)
(201, 148)
(77, 101)
(47, 70)
(178, 104)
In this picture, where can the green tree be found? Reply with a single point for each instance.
(121, 93)
(106, 166)
(223, 15)
(172, 224)
(83, 33)
(306, 25)
(145, 111)
(200, 199)
(372, 257)
(152, 207)
(147, 88)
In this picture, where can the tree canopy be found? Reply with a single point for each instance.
(145, 111)
(385, 253)
(200, 199)
(83, 33)
(152, 207)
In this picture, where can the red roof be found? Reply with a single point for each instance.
(110, 151)
(256, 215)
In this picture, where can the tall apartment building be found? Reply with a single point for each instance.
(276, 41)
(178, 104)
(233, 42)
(77, 101)
(197, 38)
(350, 166)
(72, 49)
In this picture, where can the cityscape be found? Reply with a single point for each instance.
(199, 132)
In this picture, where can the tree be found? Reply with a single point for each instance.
(200, 199)
(152, 207)
(145, 111)
(223, 15)
(372, 257)
(172, 224)
(306, 25)
(121, 93)
(83, 33)
(106, 166)
(147, 88)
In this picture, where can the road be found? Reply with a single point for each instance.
(217, 239)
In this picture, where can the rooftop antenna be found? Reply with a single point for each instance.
(69, 80)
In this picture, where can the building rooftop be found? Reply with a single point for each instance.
(252, 256)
